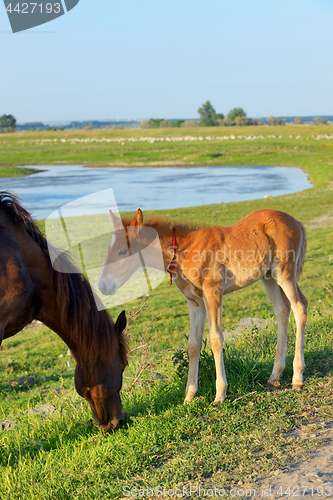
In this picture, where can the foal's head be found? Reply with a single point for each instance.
(101, 386)
(123, 257)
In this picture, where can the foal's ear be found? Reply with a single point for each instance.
(121, 323)
(115, 221)
(137, 219)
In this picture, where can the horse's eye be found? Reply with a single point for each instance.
(123, 251)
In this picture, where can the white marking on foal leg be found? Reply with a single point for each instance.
(299, 305)
(197, 326)
(282, 309)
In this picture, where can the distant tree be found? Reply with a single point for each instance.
(145, 124)
(226, 122)
(7, 123)
(320, 121)
(190, 124)
(236, 112)
(241, 121)
(155, 122)
(175, 123)
(208, 115)
(164, 124)
(298, 120)
(254, 121)
(272, 120)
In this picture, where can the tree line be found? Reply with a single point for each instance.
(235, 117)
(207, 113)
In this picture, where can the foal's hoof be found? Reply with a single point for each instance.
(273, 387)
(297, 387)
(219, 401)
(189, 399)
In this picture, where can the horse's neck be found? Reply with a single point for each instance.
(45, 288)
(49, 312)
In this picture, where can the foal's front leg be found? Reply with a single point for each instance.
(213, 302)
(197, 314)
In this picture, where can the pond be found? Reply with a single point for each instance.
(152, 188)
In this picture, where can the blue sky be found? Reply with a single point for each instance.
(145, 59)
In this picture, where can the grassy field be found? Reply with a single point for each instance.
(15, 171)
(167, 443)
(289, 145)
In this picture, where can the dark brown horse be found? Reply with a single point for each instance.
(31, 289)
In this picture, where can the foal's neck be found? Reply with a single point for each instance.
(172, 242)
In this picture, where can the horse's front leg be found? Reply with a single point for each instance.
(213, 302)
(197, 313)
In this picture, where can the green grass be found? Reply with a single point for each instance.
(15, 171)
(64, 456)
(314, 156)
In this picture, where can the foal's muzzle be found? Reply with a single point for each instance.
(107, 287)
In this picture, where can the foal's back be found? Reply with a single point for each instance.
(264, 241)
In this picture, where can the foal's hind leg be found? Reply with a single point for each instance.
(282, 310)
(197, 313)
(299, 305)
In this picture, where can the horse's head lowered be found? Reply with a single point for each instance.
(127, 247)
(101, 385)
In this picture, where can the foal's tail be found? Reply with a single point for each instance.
(302, 250)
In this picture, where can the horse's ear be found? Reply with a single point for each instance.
(115, 221)
(121, 323)
(137, 219)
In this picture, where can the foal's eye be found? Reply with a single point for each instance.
(123, 251)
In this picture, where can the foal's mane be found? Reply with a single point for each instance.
(163, 225)
(90, 332)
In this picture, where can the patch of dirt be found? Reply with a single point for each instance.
(244, 323)
(311, 477)
(323, 221)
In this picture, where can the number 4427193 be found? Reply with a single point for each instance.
(30, 8)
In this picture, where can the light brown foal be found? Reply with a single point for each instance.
(208, 263)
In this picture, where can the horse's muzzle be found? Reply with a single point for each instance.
(115, 423)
